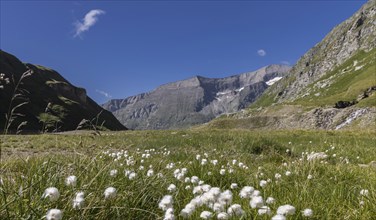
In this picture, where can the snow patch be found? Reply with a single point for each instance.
(355, 62)
(274, 80)
(240, 89)
(351, 118)
(228, 92)
(223, 93)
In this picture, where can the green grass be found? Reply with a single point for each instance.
(35, 162)
(43, 68)
(344, 86)
(55, 82)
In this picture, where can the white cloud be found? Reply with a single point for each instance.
(285, 62)
(106, 94)
(88, 21)
(261, 52)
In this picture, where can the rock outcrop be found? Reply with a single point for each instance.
(297, 117)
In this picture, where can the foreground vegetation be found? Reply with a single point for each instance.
(338, 183)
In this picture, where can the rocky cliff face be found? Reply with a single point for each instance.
(358, 33)
(53, 104)
(193, 101)
(332, 86)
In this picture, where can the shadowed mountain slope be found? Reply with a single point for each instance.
(52, 103)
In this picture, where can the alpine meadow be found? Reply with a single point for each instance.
(294, 140)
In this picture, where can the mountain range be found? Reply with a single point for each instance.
(194, 101)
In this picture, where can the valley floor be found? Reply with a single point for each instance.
(333, 173)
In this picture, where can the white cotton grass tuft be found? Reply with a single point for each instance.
(256, 193)
(71, 181)
(197, 190)
(307, 213)
(223, 216)
(197, 201)
(364, 192)
(225, 197)
(78, 201)
(166, 202)
(127, 172)
(246, 192)
(171, 188)
(222, 172)
(195, 179)
(204, 161)
(210, 196)
(263, 183)
(277, 176)
(270, 200)
(206, 215)
(169, 214)
(218, 207)
(52, 193)
(216, 191)
(113, 173)
(150, 173)
(264, 210)
(361, 203)
(234, 186)
(54, 214)
(188, 210)
(132, 176)
(278, 217)
(286, 210)
(110, 193)
(256, 202)
(235, 210)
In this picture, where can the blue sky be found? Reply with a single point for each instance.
(123, 48)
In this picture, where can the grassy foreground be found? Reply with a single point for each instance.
(146, 164)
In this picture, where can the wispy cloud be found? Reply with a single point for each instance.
(261, 52)
(106, 94)
(88, 21)
(285, 62)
